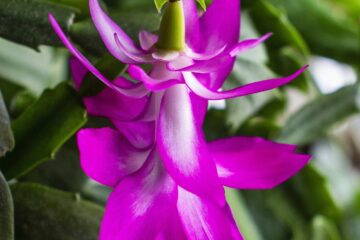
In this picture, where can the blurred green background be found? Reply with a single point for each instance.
(43, 193)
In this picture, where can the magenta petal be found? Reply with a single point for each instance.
(147, 40)
(256, 164)
(141, 205)
(139, 58)
(136, 91)
(247, 44)
(206, 55)
(210, 62)
(106, 156)
(78, 71)
(183, 148)
(220, 24)
(151, 83)
(201, 90)
(208, 66)
(193, 36)
(107, 28)
(202, 219)
(173, 230)
(113, 105)
(140, 134)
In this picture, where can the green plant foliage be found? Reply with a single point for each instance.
(6, 135)
(21, 68)
(26, 21)
(324, 229)
(287, 49)
(40, 113)
(319, 115)
(309, 182)
(43, 213)
(6, 211)
(159, 4)
(327, 33)
(42, 129)
(64, 172)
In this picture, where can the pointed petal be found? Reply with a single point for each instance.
(140, 134)
(182, 146)
(141, 204)
(212, 61)
(205, 220)
(205, 55)
(248, 44)
(78, 71)
(151, 83)
(136, 91)
(201, 90)
(106, 156)
(107, 28)
(257, 164)
(147, 40)
(113, 105)
(138, 58)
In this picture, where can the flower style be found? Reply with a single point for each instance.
(168, 181)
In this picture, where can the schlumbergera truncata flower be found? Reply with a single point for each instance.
(168, 181)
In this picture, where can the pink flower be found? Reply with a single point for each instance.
(168, 181)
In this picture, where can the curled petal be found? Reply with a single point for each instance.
(206, 55)
(183, 148)
(147, 40)
(208, 66)
(107, 27)
(106, 156)
(202, 219)
(258, 164)
(247, 44)
(112, 105)
(152, 84)
(137, 91)
(139, 58)
(141, 205)
(201, 90)
(219, 58)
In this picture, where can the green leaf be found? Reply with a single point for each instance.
(43, 213)
(241, 214)
(239, 110)
(202, 4)
(283, 208)
(268, 18)
(35, 71)
(326, 32)
(315, 118)
(132, 22)
(159, 4)
(324, 229)
(43, 128)
(6, 135)
(310, 192)
(64, 172)
(6, 211)
(26, 21)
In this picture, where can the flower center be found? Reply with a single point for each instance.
(172, 27)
